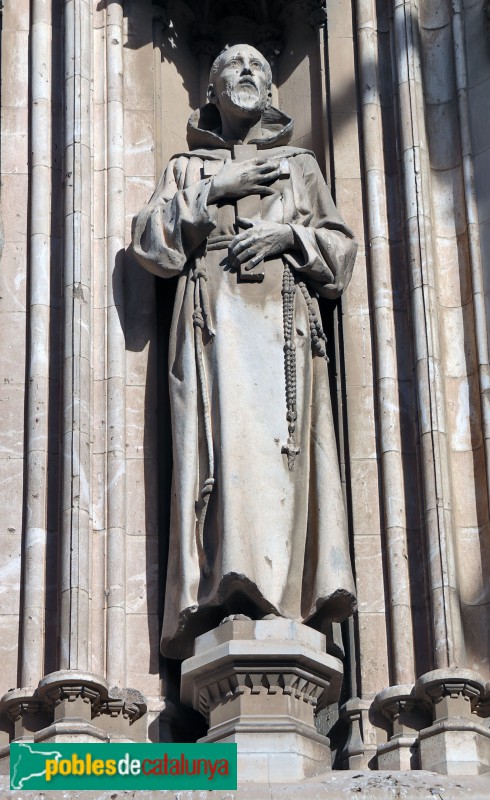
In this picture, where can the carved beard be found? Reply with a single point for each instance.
(246, 98)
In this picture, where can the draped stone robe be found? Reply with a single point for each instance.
(248, 534)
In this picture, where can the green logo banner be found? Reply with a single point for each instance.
(122, 766)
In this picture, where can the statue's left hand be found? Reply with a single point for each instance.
(259, 240)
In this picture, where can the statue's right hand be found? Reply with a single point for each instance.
(242, 178)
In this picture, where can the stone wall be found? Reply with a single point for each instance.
(394, 101)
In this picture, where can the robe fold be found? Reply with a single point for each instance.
(248, 534)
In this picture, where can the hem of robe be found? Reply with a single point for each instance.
(237, 594)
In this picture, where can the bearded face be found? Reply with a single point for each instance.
(241, 82)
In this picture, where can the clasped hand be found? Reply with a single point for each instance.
(259, 240)
(242, 178)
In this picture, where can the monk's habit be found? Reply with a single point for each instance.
(258, 523)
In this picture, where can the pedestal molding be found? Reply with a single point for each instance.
(68, 685)
(442, 683)
(15, 702)
(407, 715)
(257, 684)
(79, 702)
(273, 725)
(456, 742)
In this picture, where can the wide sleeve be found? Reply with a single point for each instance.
(325, 248)
(176, 221)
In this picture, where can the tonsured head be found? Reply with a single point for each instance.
(240, 81)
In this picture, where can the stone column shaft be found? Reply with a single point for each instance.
(457, 316)
(322, 47)
(473, 230)
(158, 25)
(388, 389)
(356, 365)
(116, 352)
(76, 495)
(446, 629)
(99, 448)
(37, 383)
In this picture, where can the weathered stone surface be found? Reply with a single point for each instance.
(334, 786)
(407, 715)
(456, 743)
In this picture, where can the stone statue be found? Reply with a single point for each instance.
(258, 524)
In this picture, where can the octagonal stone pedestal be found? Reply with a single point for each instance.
(258, 684)
(456, 743)
(407, 716)
(74, 696)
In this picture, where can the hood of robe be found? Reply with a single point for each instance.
(204, 129)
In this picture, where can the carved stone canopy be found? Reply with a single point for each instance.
(261, 11)
(217, 23)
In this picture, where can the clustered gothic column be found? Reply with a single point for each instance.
(446, 629)
(473, 230)
(396, 523)
(448, 329)
(368, 630)
(116, 352)
(72, 702)
(34, 549)
(76, 496)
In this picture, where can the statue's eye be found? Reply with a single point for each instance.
(233, 63)
(256, 64)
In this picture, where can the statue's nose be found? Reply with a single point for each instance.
(246, 70)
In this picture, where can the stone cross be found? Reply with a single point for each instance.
(248, 207)
(291, 451)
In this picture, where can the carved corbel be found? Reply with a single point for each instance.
(127, 703)
(75, 698)
(451, 693)
(456, 740)
(24, 713)
(119, 713)
(406, 716)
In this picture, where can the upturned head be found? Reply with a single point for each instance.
(240, 86)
